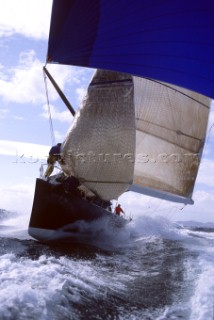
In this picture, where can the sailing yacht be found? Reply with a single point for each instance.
(142, 125)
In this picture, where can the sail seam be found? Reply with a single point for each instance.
(110, 82)
(175, 144)
(184, 94)
(176, 131)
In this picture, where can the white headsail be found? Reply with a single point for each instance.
(100, 146)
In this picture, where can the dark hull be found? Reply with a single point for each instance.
(55, 214)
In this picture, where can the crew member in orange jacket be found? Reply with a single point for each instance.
(118, 210)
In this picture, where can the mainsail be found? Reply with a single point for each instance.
(153, 119)
(171, 125)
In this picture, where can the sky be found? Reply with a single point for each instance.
(25, 134)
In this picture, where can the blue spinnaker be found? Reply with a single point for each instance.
(165, 40)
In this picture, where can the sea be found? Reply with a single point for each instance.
(152, 269)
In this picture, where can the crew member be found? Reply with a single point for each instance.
(54, 155)
(118, 210)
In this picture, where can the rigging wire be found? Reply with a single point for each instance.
(209, 134)
(49, 111)
(170, 211)
(174, 211)
(207, 138)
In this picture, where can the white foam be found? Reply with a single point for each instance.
(36, 288)
(157, 226)
(15, 225)
(202, 302)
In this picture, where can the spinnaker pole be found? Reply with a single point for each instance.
(61, 94)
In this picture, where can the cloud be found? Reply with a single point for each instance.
(81, 92)
(25, 82)
(23, 152)
(26, 17)
(73, 81)
(3, 113)
(63, 116)
(204, 177)
(202, 210)
(59, 136)
(17, 118)
(17, 198)
(202, 197)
